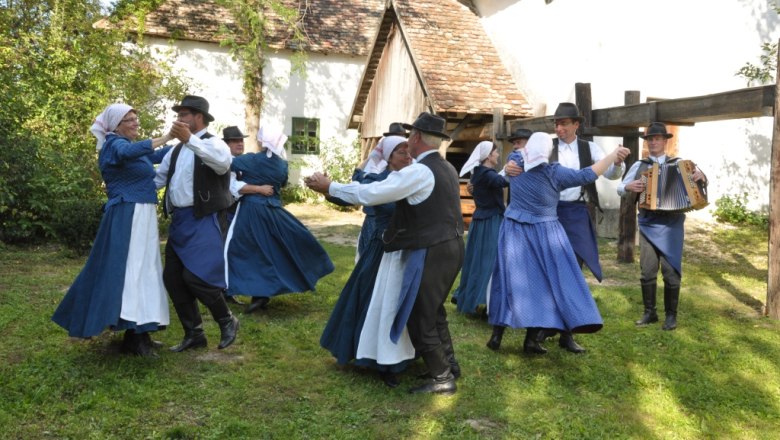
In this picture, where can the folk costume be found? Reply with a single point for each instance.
(269, 252)
(196, 178)
(537, 283)
(120, 286)
(482, 242)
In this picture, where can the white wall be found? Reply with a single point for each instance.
(325, 91)
(662, 48)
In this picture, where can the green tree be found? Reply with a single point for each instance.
(764, 72)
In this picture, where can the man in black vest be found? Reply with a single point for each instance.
(575, 205)
(196, 174)
(428, 226)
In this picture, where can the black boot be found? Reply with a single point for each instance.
(194, 337)
(648, 299)
(442, 380)
(137, 344)
(228, 326)
(449, 350)
(531, 344)
(151, 342)
(389, 378)
(545, 333)
(671, 298)
(495, 339)
(258, 302)
(567, 341)
(230, 299)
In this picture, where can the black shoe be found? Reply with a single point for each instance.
(258, 302)
(230, 299)
(190, 342)
(442, 384)
(495, 339)
(531, 343)
(670, 323)
(136, 344)
(229, 328)
(566, 341)
(390, 379)
(545, 333)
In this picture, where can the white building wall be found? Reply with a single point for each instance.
(325, 90)
(662, 48)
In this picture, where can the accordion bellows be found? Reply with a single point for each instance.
(670, 187)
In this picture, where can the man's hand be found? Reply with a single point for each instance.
(636, 186)
(698, 176)
(318, 182)
(181, 131)
(512, 169)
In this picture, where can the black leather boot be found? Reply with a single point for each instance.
(545, 333)
(228, 326)
(531, 344)
(648, 299)
(449, 350)
(567, 342)
(137, 344)
(495, 339)
(258, 302)
(671, 298)
(194, 337)
(442, 380)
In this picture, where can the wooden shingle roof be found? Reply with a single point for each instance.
(458, 63)
(330, 26)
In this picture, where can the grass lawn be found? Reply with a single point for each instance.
(716, 377)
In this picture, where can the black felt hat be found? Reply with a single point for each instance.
(232, 132)
(396, 129)
(428, 123)
(567, 110)
(655, 129)
(196, 103)
(520, 133)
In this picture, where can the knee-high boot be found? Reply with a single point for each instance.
(189, 315)
(671, 298)
(648, 299)
(495, 339)
(531, 344)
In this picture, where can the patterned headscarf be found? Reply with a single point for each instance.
(480, 153)
(537, 151)
(273, 140)
(108, 121)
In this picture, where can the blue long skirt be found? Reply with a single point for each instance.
(270, 252)
(537, 281)
(478, 263)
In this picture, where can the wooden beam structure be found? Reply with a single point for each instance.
(772, 307)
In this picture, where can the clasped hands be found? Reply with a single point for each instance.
(318, 182)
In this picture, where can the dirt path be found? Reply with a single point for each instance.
(328, 224)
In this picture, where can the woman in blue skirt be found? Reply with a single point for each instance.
(268, 251)
(537, 282)
(120, 286)
(342, 332)
(488, 189)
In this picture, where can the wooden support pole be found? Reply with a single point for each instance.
(773, 274)
(627, 222)
(585, 103)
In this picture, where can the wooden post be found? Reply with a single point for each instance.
(584, 102)
(498, 130)
(627, 222)
(773, 274)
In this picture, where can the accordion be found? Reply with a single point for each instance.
(670, 187)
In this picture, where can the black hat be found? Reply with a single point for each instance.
(567, 110)
(655, 129)
(232, 132)
(520, 133)
(396, 129)
(196, 103)
(428, 123)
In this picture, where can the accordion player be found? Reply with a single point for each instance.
(670, 187)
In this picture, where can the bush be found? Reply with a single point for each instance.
(77, 222)
(733, 210)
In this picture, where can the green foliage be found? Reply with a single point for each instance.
(76, 223)
(764, 72)
(58, 73)
(338, 159)
(298, 194)
(733, 210)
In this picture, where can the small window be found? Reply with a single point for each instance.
(305, 137)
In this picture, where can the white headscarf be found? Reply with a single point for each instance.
(480, 153)
(537, 150)
(108, 121)
(274, 141)
(380, 156)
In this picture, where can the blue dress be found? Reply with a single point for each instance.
(481, 249)
(342, 332)
(537, 281)
(94, 301)
(269, 252)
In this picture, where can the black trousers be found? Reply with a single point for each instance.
(185, 289)
(427, 325)
(649, 261)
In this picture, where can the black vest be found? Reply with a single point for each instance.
(211, 191)
(583, 152)
(437, 219)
